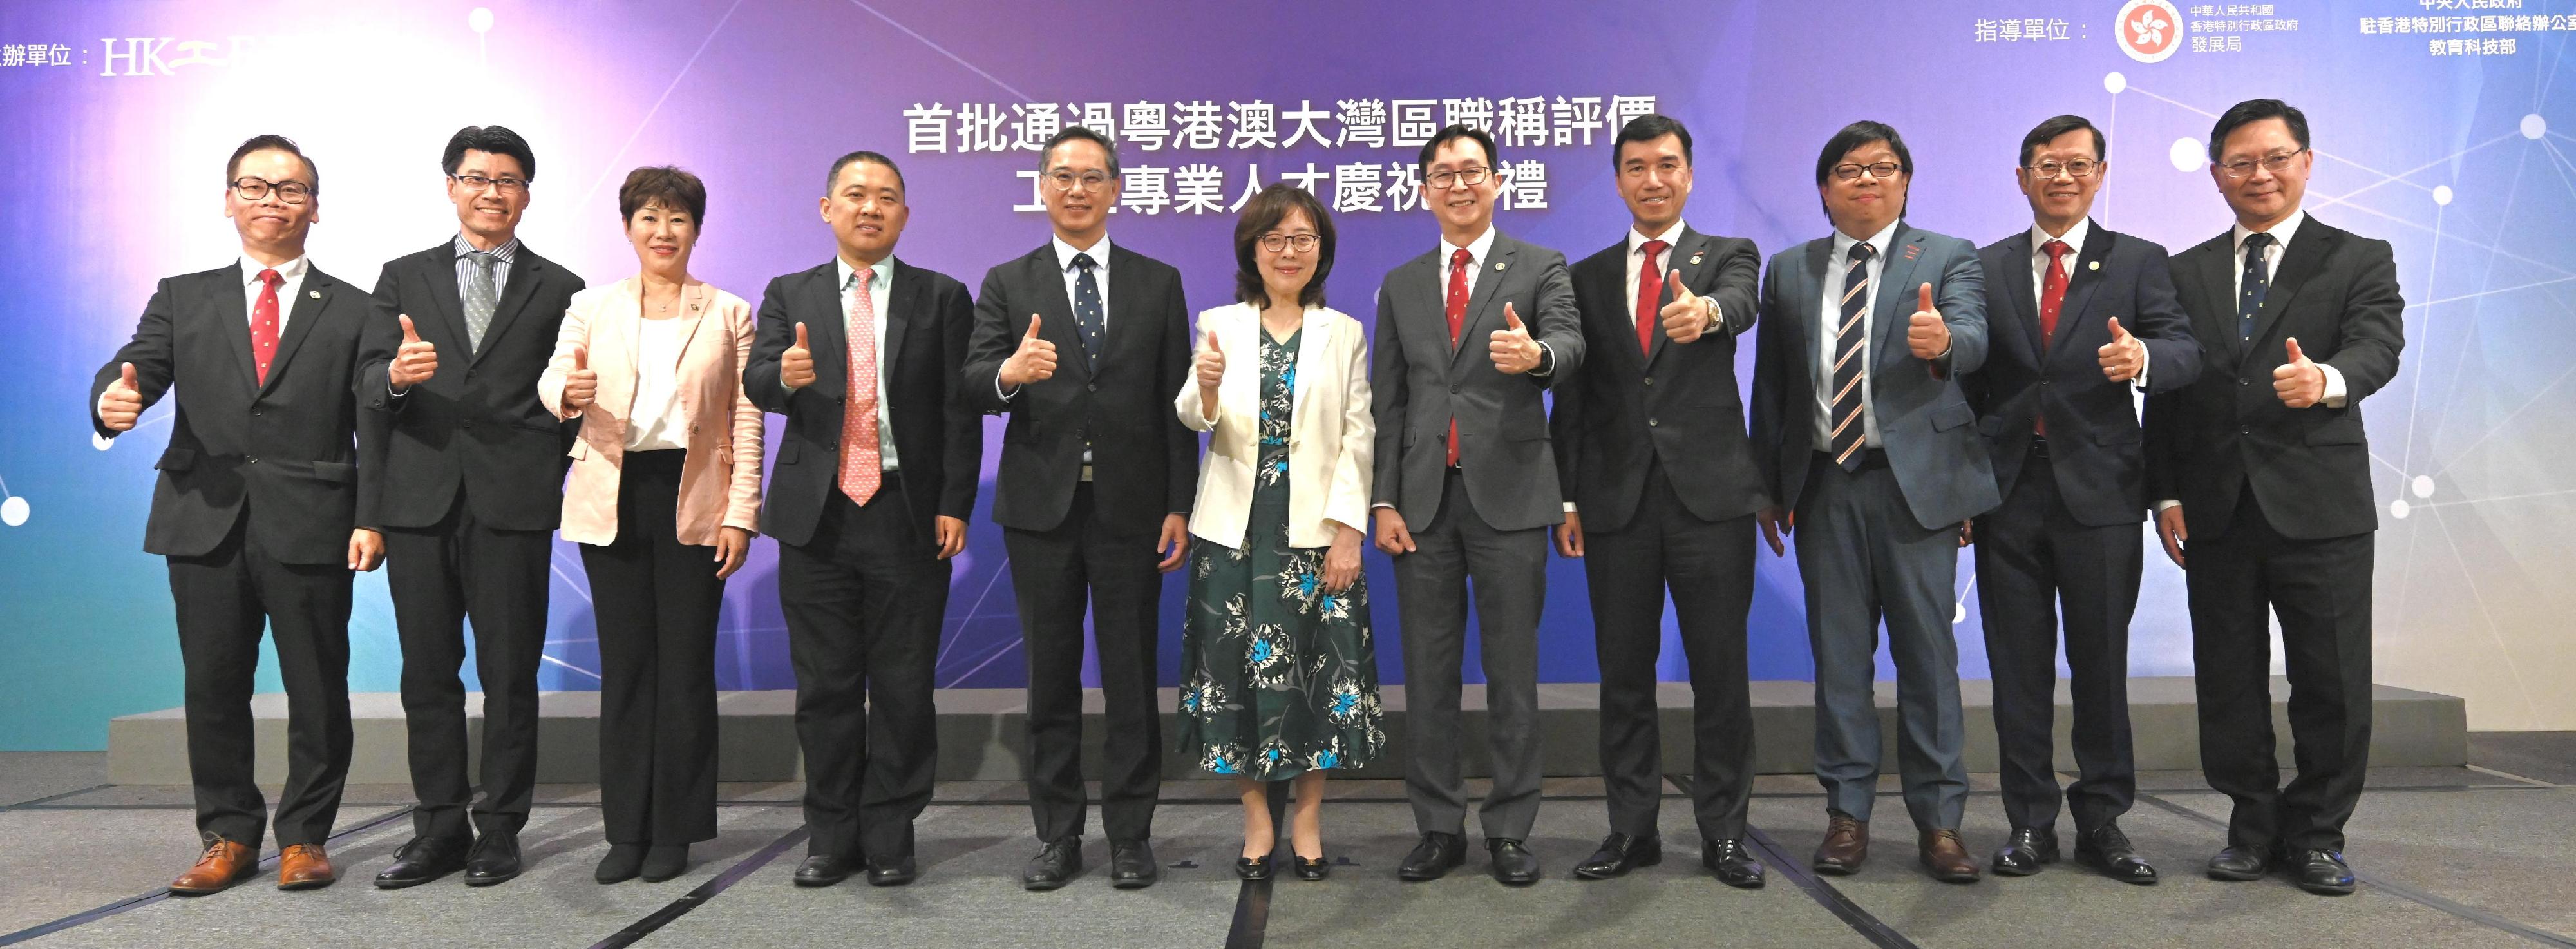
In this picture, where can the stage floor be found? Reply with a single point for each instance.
(2450, 856)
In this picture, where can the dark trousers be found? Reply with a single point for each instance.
(223, 597)
(1509, 573)
(1055, 574)
(1863, 556)
(2320, 590)
(2032, 558)
(440, 576)
(655, 601)
(864, 599)
(1708, 567)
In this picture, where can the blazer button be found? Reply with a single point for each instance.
(2244, 429)
(254, 411)
(1650, 380)
(1091, 387)
(465, 423)
(1453, 390)
(254, 459)
(1650, 423)
(2043, 382)
(2244, 382)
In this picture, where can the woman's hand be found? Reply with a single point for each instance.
(732, 545)
(1342, 562)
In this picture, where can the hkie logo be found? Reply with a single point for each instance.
(143, 55)
(2148, 30)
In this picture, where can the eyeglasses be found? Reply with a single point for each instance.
(2081, 168)
(1064, 180)
(1470, 177)
(1881, 170)
(1275, 243)
(479, 183)
(254, 189)
(2244, 167)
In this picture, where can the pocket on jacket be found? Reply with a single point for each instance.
(177, 459)
(788, 451)
(1952, 415)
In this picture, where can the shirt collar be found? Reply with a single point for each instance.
(1476, 249)
(1877, 242)
(1672, 237)
(508, 250)
(288, 272)
(880, 274)
(1064, 252)
(2074, 238)
(2280, 232)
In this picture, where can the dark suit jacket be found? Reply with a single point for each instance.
(478, 422)
(1419, 382)
(1923, 417)
(1144, 462)
(1678, 405)
(288, 448)
(939, 440)
(2310, 468)
(2092, 421)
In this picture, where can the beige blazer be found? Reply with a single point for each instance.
(720, 475)
(1331, 439)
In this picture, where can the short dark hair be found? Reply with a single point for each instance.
(834, 176)
(1079, 133)
(1454, 133)
(496, 139)
(266, 143)
(2251, 111)
(1260, 215)
(1856, 135)
(2049, 130)
(1647, 128)
(664, 185)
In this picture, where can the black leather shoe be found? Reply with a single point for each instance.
(1054, 866)
(2239, 864)
(665, 861)
(494, 859)
(2027, 850)
(623, 862)
(1253, 868)
(891, 871)
(1733, 864)
(423, 859)
(1315, 869)
(2108, 851)
(1132, 866)
(1514, 865)
(1433, 858)
(2324, 872)
(822, 869)
(1619, 854)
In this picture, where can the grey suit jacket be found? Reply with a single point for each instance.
(1421, 382)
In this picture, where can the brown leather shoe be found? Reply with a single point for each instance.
(1846, 844)
(1948, 858)
(305, 867)
(223, 864)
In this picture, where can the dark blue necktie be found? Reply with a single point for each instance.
(1086, 306)
(2251, 287)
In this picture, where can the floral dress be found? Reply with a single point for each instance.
(1279, 677)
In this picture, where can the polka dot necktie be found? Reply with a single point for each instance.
(2251, 287)
(1086, 306)
(862, 456)
(263, 324)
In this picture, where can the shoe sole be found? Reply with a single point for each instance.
(1041, 887)
(2103, 867)
(1131, 883)
(2325, 889)
(382, 884)
(818, 883)
(1836, 869)
(302, 885)
(490, 881)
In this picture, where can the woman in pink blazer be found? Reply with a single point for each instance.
(664, 497)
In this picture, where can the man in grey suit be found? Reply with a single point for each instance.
(1469, 338)
(1863, 436)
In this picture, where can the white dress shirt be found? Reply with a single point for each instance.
(2074, 238)
(1831, 314)
(650, 422)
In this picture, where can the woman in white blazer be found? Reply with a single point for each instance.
(1279, 672)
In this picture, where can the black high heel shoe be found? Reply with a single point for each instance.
(1314, 869)
(1253, 868)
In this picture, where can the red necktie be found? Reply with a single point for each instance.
(862, 457)
(1650, 292)
(1459, 261)
(2052, 294)
(263, 324)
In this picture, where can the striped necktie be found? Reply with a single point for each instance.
(1851, 362)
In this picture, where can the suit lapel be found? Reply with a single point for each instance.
(1057, 306)
(1811, 293)
(450, 299)
(2020, 296)
(827, 332)
(1122, 306)
(1489, 282)
(232, 322)
(301, 313)
(514, 298)
(1310, 355)
(1684, 256)
(2218, 269)
(2306, 253)
(1894, 308)
(897, 308)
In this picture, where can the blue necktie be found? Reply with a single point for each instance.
(2251, 287)
(1086, 306)
(1851, 363)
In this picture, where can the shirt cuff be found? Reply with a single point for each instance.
(2334, 386)
(1546, 362)
(1381, 506)
(2146, 360)
(1000, 390)
(1569, 508)
(2162, 506)
(784, 387)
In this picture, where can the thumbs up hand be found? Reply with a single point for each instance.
(796, 365)
(414, 362)
(581, 385)
(2299, 382)
(1512, 349)
(122, 403)
(1034, 361)
(2124, 357)
(1925, 334)
(1688, 315)
(1210, 367)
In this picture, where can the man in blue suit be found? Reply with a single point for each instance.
(1864, 438)
(2083, 319)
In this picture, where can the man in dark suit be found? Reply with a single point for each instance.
(257, 508)
(1466, 488)
(1870, 451)
(2263, 476)
(1083, 343)
(2080, 319)
(874, 481)
(1661, 491)
(474, 469)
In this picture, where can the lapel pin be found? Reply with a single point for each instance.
(2096, 265)
(1695, 260)
(1913, 250)
(317, 294)
(1499, 265)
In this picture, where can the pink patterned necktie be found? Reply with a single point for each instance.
(861, 456)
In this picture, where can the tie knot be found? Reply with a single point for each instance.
(1460, 257)
(483, 258)
(2055, 249)
(271, 278)
(1862, 251)
(2257, 241)
(1653, 248)
(1084, 262)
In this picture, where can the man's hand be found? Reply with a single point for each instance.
(1967, 533)
(1569, 535)
(1776, 524)
(1174, 545)
(122, 403)
(1034, 361)
(1513, 351)
(2170, 529)
(581, 386)
(366, 549)
(1342, 562)
(1392, 538)
(732, 545)
(796, 365)
(2299, 382)
(414, 362)
(2124, 357)
(1925, 333)
(952, 535)
(1686, 317)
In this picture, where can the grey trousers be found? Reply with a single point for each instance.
(1509, 572)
